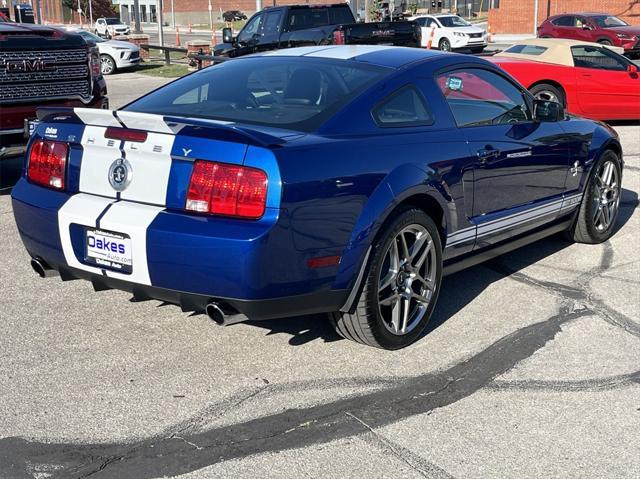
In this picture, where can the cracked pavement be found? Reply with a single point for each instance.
(531, 368)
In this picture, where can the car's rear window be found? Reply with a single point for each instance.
(526, 49)
(287, 92)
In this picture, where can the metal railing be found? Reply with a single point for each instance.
(195, 58)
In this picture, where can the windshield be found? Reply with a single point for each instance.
(294, 93)
(526, 49)
(90, 37)
(608, 21)
(113, 21)
(453, 21)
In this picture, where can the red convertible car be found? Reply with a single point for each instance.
(589, 79)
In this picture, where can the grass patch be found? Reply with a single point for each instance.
(162, 70)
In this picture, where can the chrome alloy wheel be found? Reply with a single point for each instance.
(546, 95)
(606, 196)
(406, 283)
(107, 65)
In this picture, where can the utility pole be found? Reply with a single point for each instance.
(90, 15)
(535, 18)
(210, 16)
(136, 16)
(160, 24)
(38, 12)
(173, 16)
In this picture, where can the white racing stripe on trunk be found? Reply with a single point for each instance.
(97, 156)
(150, 166)
(132, 219)
(93, 116)
(144, 121)
(81, 209)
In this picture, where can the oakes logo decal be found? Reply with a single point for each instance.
(106, 245)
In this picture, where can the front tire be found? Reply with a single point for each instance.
(444, 45)
(600, 203)
(107, 65)
(401, 285)
(605, 42)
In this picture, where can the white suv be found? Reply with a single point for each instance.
(451, 32)
(110, 27)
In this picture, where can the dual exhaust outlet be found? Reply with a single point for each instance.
(214, 310)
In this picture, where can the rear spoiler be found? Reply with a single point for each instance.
(159, 124)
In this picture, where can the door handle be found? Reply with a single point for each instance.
(486, 154)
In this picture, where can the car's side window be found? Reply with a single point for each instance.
(566, 21)
(404, 107)
(251, 28)
(431, 23)
(596, 57)
(272, 22)
(481, 97)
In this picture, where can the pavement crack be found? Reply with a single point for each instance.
(415, 462)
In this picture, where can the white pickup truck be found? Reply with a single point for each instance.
(451, 32)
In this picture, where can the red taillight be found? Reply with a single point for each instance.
(228, 190)
(47, 163)
(338, 37)
(125, 134)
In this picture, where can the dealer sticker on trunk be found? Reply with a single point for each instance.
(108, 249)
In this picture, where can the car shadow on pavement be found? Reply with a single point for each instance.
(458, 290)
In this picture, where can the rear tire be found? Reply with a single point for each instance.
(599, 208)
(548, 92)
(401, 285)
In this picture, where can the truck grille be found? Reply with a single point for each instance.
(56, 90)
(48, 74)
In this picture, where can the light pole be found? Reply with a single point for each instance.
(136, 16)
(160, 24)
(173, 16)
(210, 16)
(535, 18)
(90, 15)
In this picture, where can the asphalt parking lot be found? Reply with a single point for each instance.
(531, 368)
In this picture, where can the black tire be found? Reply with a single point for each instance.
(367, 325)
(444, 45)
(546, 91)
(587, 227)
(604, 41)
(107, 65)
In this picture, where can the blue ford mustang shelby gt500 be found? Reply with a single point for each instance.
(342, 180)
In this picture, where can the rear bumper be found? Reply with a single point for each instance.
(256, 310)
(186, 260)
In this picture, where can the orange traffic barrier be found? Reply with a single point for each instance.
(431, 35)
(213, 36)
(489, 37)
(177, 36)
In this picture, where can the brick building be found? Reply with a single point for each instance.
(517, 16)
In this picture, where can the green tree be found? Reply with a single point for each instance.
(101, 8)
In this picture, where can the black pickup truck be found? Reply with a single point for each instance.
(305, 25)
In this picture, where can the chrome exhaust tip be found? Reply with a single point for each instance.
(217, 314)
(42, 268)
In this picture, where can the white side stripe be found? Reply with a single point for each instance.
(99, 152)
(132, 219)
(150, 170)
(83, 210)
(92, 116)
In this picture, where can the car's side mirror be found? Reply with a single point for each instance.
(632, 69)
(227, 35)
(546, 111)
